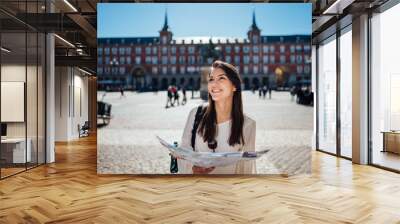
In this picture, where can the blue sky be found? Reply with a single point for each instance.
(200, 19)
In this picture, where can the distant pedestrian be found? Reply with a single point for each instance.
(264, 91)
(176, 95)
(269, 92)
(169, 97)
(121, 90)
(259, 92)
(184, 95)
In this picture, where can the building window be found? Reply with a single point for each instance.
(107, 51)
(191, 50)
(121, 70)
(265, 69)
(114, 50)
(128, 50)
(282, 59)
(256, 59)
(246, 69)
(298, 47)
(299, 59)
(237, 49)
(255, 39)
(307, 69)
(164, 60)
(246, 59)
(282, 49)
(292, 59)
(148, 50)
(99, 51)
(255, 49)
(173, 60)
(128, 60)
(228, 59)
(237, 59)
(121, 50)
(99, 70)
(164, 40)
(299, 69)
(246, 49)
(137, 60)
(192, 60)
(265, 59)
(200, 60)
(182, 69)
(122, 60)
(265, 49)
(155, 60)
(182, 49)
(148, 60)
(107, 60)
(154, 70)
(138, 50)
(255, 69)
(173, 70)
(292, 48)
(99, 60)
(228, 49)
(154, 50)
(272, 48)
(173, 50)
(307, 48)
(182, 59)
(164, 50)
(272, 59)
(164, 70)
(107, 70)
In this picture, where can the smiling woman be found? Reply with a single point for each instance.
(220, 126)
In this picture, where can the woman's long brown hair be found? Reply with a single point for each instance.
(208, 125)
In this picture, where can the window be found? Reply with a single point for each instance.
(228, 49)
(182, 59)
(182, 49)
(292, 59)
(164, 60)
(114, 50)
(237, 59)
(164, 70)
(246, 69)
(307, 69)
(255, 39)
(292, 48)
(137, 60)
(191, 50)
(192, 60)
(237, 49)
(246, 59)
(298, 47)
(182, 69)
(272, 58)
(255, 49)
(307, 48)
(173, 50)
(299, 69)
(272, 48)
(154, 70)
(128, 50)
(228, 59)
(100, 70)
(255, 69)
(99, 60)
(265, 69)
(122, 60)
(164, 50)
(148, 60)
(265, 49)
(256, 59)
(265, 59)
(299, 59)
(128, 60)
(107, 51)
(99, 51)
(121, 50)
(282, 59)
(173, 60)
(154, 60)
(121, 70)
(154, 50)
(107, 60)
(138, 50)
(164, 40)
(246, 49)
(200, 60)
(148, 50)
(282, 49)
(173, 69)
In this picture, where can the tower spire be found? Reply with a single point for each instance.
(165, 27)
(254, 24)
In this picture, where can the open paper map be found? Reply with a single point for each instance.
(210, 159)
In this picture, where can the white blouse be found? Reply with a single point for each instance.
(222, 137)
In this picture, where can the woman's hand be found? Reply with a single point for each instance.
(202, 170)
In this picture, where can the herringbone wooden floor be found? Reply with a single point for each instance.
(70, 191)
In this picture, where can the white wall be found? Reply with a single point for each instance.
(71, 94)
